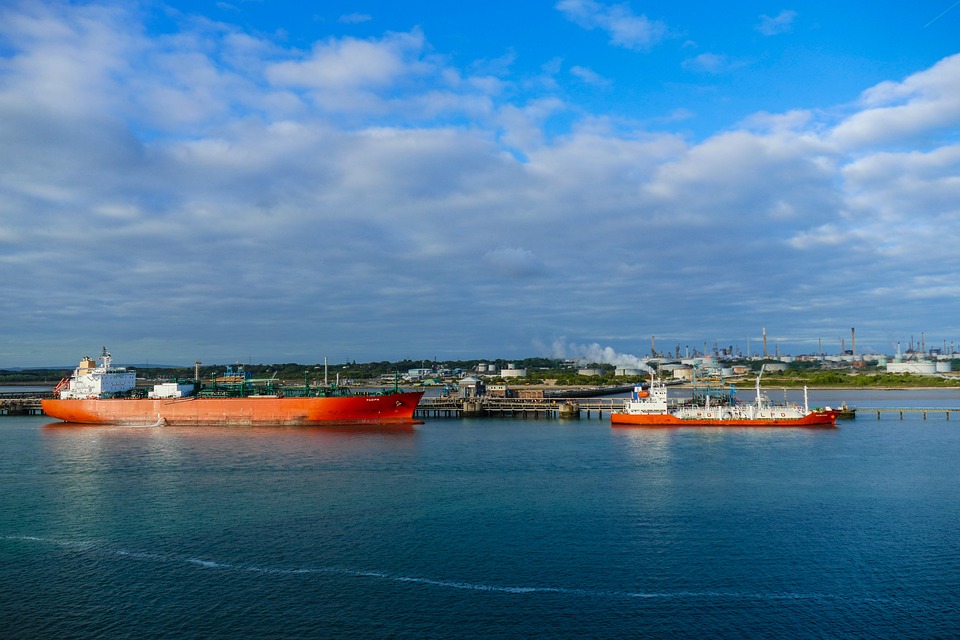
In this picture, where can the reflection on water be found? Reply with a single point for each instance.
(401, 429)
(280, 445)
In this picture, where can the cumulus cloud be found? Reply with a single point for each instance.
(589, 76)
(514, 262)
(780, 23)
(350, 62)
(361, 196)
(926, 103)
(355, 18)
(626, 29)
(709, 63)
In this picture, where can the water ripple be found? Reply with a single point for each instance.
(95, 547)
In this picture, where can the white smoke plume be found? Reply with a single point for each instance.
(588, 353)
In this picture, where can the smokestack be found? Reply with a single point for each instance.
(653, 346)
(764, 342)
(853, 341)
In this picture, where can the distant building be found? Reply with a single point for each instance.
(498, 391)
(512, 372)
(471, 388)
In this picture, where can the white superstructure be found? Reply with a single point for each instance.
(655, 403)
(170, 390)
(90, 380)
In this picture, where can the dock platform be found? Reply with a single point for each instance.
(547, 408)
(22, 404)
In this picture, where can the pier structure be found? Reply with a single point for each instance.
(22, 404)
(900, 411)
(547, 408)
(569, 408)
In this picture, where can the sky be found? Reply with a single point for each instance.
(271, 182)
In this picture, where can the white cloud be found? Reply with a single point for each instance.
(372, 193)
(626, 29)
(355, 18)
(522, 126)
(353, 63)
(924, 104)
(589, 76)
(707, 62)
(780, 23)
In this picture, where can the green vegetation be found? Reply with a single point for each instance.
(539, 371)
(865, 379)
(33, 376)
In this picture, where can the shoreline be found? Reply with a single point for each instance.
(746, 385)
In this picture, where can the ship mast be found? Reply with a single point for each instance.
(760, 373)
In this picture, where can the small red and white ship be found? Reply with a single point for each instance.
(653, 409)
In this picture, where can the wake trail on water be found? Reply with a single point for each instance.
(96, 547)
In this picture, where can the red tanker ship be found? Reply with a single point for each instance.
(652, 409)
(104, 394)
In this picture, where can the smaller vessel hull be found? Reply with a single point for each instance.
(813, 419)
(395, 408)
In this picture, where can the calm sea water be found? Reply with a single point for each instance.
(484, 528)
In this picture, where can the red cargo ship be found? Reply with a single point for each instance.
(104, 394)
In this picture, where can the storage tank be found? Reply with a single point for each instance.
(683, 373)
(912, 366)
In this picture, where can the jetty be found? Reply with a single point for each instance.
(900, 411)
(566, 408)
(22, 403)
(547, 408)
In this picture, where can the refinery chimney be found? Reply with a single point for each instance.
(764, 342)
(853, 342)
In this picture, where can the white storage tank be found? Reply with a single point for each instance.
(923, 367)
(683, 373)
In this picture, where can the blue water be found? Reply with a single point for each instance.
(484, 528)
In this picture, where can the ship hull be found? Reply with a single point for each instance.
(249, 411)
(813, 419)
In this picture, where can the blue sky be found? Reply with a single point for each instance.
(285, 181)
